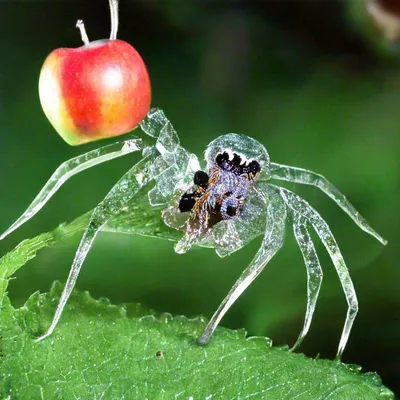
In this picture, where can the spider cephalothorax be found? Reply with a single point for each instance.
(221, 192)
(224, 207)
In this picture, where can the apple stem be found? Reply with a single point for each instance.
(81, 26)
(114, 18)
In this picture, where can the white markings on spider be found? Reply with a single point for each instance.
(223, 207)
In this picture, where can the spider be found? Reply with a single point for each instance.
(223, 207)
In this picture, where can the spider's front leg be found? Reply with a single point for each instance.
(165, 163)
(300, 206)
(272, 242)
(303, 176)
(72, 167)
(126, 188)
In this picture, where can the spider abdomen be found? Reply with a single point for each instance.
(228, 193)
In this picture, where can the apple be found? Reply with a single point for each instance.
(96, 91)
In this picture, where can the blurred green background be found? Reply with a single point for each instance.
(310, 80)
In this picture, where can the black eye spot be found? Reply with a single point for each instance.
(201, 179)
(187, 202)
(254, 167)
(222, 161)
(237, 165)
(221, 157)
(231, 211)
(237, 160)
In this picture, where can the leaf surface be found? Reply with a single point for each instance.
(103, 351)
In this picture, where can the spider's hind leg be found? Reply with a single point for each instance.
(314, 271)
(300, 206)
(126, 188)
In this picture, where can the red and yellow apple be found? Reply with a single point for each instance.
(96, 91)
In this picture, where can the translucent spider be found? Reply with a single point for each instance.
(224, 207)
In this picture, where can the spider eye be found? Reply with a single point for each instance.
(233, 162)
(201, 179)
(228, 162)
(222, 157)
(222, 161)
(236, 161)
(187, 202)
(253, 168)
(231, 211)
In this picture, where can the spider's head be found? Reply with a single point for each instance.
(239, 154)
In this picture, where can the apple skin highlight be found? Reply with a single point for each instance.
(95, 91)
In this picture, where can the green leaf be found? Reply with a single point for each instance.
(28, 248)
(104, 351)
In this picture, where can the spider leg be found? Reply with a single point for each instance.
(314, 271)
(126, 188)
(272, 242)
(72, 167)
(300, 175)
(299, 205)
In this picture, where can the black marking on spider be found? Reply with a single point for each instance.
(201, 179)
(237, 164)
(188, 200)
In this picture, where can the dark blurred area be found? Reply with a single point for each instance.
(316, 82)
